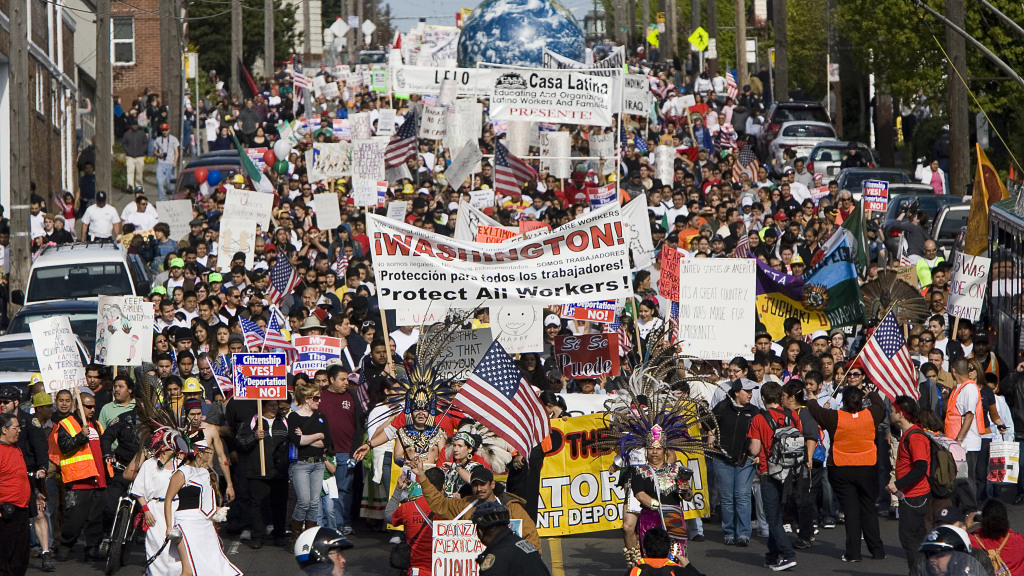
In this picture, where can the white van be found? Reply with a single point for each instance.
(84, 271)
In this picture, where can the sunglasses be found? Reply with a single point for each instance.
(317, 397)
(856, 375)
(927, 340)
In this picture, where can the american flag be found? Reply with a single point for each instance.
(403, 143)
(497, 396)
(275, 339)
(283, 280)
(254, 335)
(300, 81)
(743, 247)
(887, 360)
(510, 172)
(673, 318)
(623, 138)
(616, 327)
(640, 144)
(221, 375)
(730, 85)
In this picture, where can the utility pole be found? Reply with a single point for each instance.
(21, 156)
(170, 63)
(360, 16)
(236, 47)
(835, 88)
(959, 138)
(268, 38)
(307, 35)
(645, 15)
(743, 74)
(104, 98)
(711, 64)
(621, 23)
(671, 31)
(694, 15)
(781, 89)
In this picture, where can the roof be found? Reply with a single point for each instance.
(79, 252)
(59, 306)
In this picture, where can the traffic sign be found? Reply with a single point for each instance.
(876, 195)
(699, 39)
(261, 376)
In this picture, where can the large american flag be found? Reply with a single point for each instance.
(254, 335)
(403, 144)
(300, 81)
(497, 396)
(730, 85)
(275, 339)
(887, 360)
(283, 280)
(510, 172)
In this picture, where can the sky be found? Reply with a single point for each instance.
(406, 13)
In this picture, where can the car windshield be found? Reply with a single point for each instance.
(835, 153)
(807, 114)
(808, 131)
(79, 281)
(952, 223)
(19, 356)
(83, 324)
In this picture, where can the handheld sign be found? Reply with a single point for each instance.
(876, 195)
(261, 376)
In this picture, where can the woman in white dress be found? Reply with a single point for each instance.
(149, 488)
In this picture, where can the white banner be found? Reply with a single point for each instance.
(243, 211)
(568, 97)
(968, 286)
(124, 331)
(60, 363)
(464, 165)
(584, 260)
(176, 214)
(636, 94)
(427, 80)
(560, 146)
(638, 227)
(328, 210)
(433, 122)
(716, 308)
(611, 67)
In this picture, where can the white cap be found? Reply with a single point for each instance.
(552, 320)
(819, 334)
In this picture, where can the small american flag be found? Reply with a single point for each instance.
(616, 327)
(403, 144)
(497, 396)
(743, 247)
(640, 144)
(300, 81)
(673, 318)
(730, 85)
(623, 137)
(254, 335)
(275, 339)
(887, 360)
(283, 280)
(510, 172)
(221, 375)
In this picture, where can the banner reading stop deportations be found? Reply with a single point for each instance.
(577, 492)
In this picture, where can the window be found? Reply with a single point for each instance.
(123, 28)
(40, 92)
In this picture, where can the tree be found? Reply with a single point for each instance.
(210, 32)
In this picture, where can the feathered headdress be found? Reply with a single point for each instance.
(495, 451)
(659, 421)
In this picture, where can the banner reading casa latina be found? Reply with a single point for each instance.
(565, 96)
(586, 259)
(578, 494)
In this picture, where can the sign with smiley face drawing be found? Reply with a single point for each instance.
(519, 328)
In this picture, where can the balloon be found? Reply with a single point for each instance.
(282, 149)
(201, 175)
(269, 158)
(213, 177)
(281, 167)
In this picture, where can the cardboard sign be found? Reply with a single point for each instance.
(968, 286)
(328, 211)
(361, 126)
(717, 307)
(668, 282)
(587, 355)
(176, 214)
(261, 376)
(60, 363)
(876, 195)
(638, 226)
(314, 353)
(602, 311)
(124, 331)
(463, 353)
(433, 122)
(368, 158)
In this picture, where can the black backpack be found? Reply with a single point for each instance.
(788, 452)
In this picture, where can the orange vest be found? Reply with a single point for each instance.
(953, 418)
(854, 442)
(80, 465)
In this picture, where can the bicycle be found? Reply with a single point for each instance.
(122, 535)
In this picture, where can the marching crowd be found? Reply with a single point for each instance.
(798, 439)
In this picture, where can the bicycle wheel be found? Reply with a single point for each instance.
(117, 537)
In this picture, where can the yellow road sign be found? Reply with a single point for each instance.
(699, 39)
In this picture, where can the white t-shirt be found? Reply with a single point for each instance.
(142, 220)
(404, 341)
(37, 225)
(101, 220)
(967, 402)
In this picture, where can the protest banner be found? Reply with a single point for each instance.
(330, 160)
(611, 66)
(638, 230)
(60, 362)
(328, 211)
(314, 353)
(876, 195)
(427, 80)
(360, 125)
(519, 327)
(397, 210)
(601, 311)
(528, 226)
(428, 315)
(636, 94)
(244, 210)
(466, 162)
(386, 122)
(668, 282)
(587, 355)
(463, 353)
(466, 126)
(716, 307)
(366, 192)
(124, 331)
(664, 163)
(565, 96)
(176, 214)
(577, 493)
(481, 199)
(368, 158)
(469, 220)
(968, 286)
(262, 376)
(584, 259)
(601, 195)
(494, 234)
(433, 122)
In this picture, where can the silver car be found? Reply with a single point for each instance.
(827, 157)
(801, 136)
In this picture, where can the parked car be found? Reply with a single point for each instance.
(948, 224)
(84, 270)
(901, 195)
(826, 157)
(853, 179)
(782, 112)
(800, 136)
(81, 314)
(228, 165)
(18, 362)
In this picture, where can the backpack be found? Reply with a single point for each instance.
(948, 463)
(788, 452)
(998, 566)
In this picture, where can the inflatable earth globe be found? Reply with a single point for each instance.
(515, 32)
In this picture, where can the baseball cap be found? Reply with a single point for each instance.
(214, 277)
(780, 215)
(159, 290)
(747, 201)
(236, 338)
(177, 263)
(819, 334)
(950, 515)
(101, 195)
(551, 320)
(481, 474)
(165, 127)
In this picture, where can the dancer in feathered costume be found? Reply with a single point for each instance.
(473, 438)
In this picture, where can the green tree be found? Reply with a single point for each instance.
(210, 32)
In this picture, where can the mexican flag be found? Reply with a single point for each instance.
(261, 182)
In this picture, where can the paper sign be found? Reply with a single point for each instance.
(328, 211)
(261, 376)
(256, 156)
(396, 210)
(818, 192)
(668, 282)
(314, 353)
(641, 245)
(519, 327)
(717, 311)
(466, 162)
(494, 234)
(560, 149)
(330, 91)
(876, 195)
(636, 94)
(244, 210)
(665, 164)
(455, 547)
(602, 311)
(360, 125)
(176, 214)
(330, 161)
(433, 122)
(386, 122)
(379, 80)
(369, 192)
(463, 353)
(368, 158)
(124, 331)
(968, 286)
(60, 363)
(481, 199)
(587, 355)
(1004, 462)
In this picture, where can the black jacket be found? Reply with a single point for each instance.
(33, 444)
(275, 449)
(122, 431)
(510, 555)
(733, 423)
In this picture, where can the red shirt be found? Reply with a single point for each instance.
(1012, 553)
(340, 409)
(420, 541)
(761, 430)
(914, 447)
(14, 487)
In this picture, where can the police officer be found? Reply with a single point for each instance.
(319, 552)
(506, 554)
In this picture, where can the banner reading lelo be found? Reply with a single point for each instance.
(566, 96)
(584, 260)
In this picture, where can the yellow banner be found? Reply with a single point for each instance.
(775, 308)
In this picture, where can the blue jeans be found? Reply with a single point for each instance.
(734, 489)
(307, 480)
(779, 545)
(326, 512)
(164, 173)
(344, 477)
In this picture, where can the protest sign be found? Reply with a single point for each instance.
(429, 315)
(469, 219)
(664, 164)
(494, 234)
(603, 146)
(668, 282)
(314, 353)
(379, 80)
(330, 91)
(560, 149)
(341, 129)
(601, 195)
(360, 125)
(467, 124)
(716, 307)
(124, 331)
(367, 192)
(481, 199)
(636, 94)
(582, 260)
(602, 311)
(60, 362)
(818, 192)
(176, 214)
(587, 355)
(368, 158)
(261, 376)
(1004, 462)
(519, 327)
(328, 211)
(564, 96)
(463, 166)
(397, 209)
(433, 122)
(256, 156)
(638, 230)
(244, 210)
(463, 353)
(331, 160)
(427, 80)
(517, 139)
(876, 195)
(455, 547)
(968, 286)
(386, 122)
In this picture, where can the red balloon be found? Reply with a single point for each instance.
(201, 174)
(269, 158)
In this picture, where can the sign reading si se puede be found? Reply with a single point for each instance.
(876, 195)
(968, 286)
(261, 376)
(588, 355)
